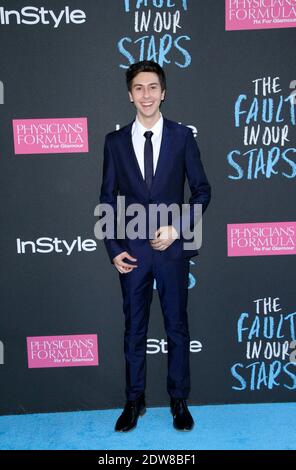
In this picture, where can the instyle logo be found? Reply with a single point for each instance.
(61, 135)
(262, 239)
(30, 16)
(45, 245)
(156, 346)
(260, 14)
(62, 351)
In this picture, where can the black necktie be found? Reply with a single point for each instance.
(148, 159)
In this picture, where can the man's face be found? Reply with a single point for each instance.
(146, 94)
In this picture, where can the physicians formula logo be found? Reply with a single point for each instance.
(262, 239)
(61, 135)
(30, 16)
(260, 14)
(62, 351)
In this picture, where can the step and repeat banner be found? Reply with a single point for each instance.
(231, 78)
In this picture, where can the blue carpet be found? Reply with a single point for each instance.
(260, 426)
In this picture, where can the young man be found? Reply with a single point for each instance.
(147, 162)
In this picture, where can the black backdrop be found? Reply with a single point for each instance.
(77, 70)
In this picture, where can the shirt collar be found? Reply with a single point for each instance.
(156, 129)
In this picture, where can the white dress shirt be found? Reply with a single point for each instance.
(139, 140)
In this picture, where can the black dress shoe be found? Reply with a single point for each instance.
(129, 417)
(183, 420)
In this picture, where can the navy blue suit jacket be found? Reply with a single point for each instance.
(179, 158)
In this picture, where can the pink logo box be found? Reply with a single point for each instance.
(262, 239)
(253, 14)
(62, 351)
(61, 135)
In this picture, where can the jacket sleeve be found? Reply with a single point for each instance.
(199, 186)
(108, 195)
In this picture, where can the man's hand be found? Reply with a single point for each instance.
(121, 266)
(164, 237)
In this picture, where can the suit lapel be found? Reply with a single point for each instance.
(162, 159)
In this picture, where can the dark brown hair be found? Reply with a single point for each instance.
(145, 66)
